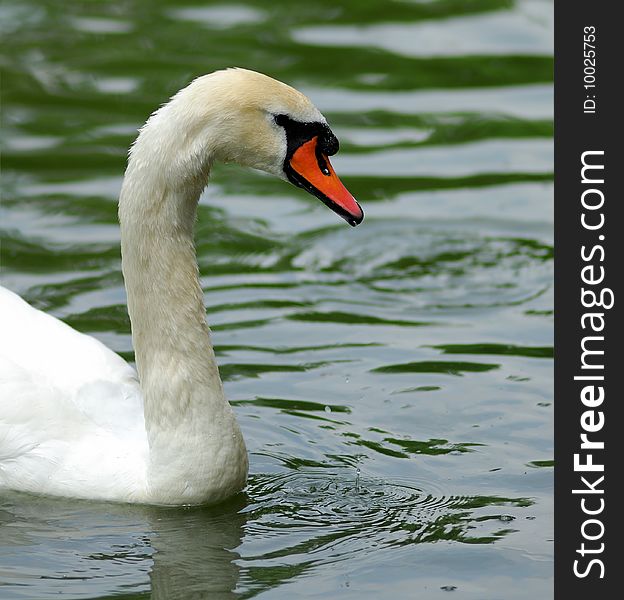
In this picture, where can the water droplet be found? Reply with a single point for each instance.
(448, 588)
(328, 409)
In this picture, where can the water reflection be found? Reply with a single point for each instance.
(283, 526)
(51, 546)
(523, 29)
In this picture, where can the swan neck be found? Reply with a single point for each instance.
(165, 299)
(166, 174)
(187, 418)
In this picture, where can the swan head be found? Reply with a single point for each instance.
(253, 120)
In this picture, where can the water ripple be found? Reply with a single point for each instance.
(343, 516)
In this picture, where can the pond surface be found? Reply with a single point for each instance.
(394, 381)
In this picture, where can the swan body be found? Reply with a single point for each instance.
(75, 419)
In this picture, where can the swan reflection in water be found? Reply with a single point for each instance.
(79, 548)
(285, 526)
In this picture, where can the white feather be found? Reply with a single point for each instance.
(69, 406)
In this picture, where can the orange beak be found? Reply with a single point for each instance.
(313, 172)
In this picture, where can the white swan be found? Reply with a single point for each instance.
(75, 420)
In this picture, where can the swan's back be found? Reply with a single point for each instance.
(71, 410)
(53, 350)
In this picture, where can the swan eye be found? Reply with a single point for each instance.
(298, 132)
(328, 143)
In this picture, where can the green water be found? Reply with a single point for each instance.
(393, 381)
